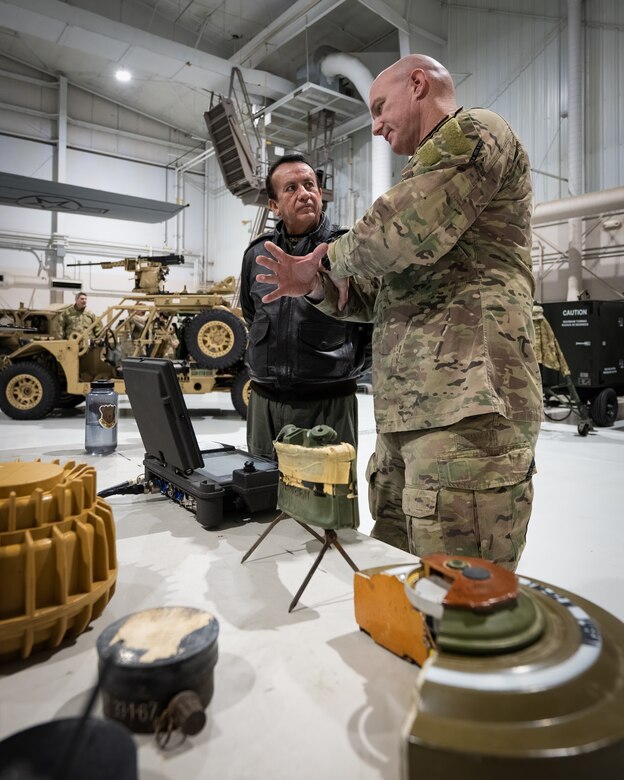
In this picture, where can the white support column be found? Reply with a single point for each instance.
(60, 167)
(203, 276)
(404, 43)
(576, 152)
(56, 250)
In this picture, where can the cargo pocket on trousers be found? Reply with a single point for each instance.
(489, 499)
(424, 531)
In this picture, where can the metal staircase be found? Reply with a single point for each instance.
(228, 126)
(264, 222)
(304, 120)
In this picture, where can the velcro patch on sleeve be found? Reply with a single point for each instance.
(429, 154)
(454, 137)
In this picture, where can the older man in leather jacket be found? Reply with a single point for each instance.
(303, 364)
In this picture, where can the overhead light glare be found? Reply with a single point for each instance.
(123, 75)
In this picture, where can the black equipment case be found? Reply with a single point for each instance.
(206, 482)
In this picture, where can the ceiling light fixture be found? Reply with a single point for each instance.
(123, 75)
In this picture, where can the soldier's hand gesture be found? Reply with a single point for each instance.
(293, 276)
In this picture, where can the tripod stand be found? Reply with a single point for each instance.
(329, 539)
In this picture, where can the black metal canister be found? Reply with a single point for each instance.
(159, 663)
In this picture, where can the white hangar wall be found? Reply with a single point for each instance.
(111, 148)
(506, 55)
(512, 57)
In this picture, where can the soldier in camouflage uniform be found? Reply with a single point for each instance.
(75, 318)
(457, 391)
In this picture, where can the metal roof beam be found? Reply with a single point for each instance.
(287, 26)
(388, 13)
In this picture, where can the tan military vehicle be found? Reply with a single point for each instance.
(20, 323)
(202, 333)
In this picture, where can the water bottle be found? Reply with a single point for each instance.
(102, 407)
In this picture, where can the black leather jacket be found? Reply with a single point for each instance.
(295, 351)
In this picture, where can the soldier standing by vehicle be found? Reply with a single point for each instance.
(75, 318)
(457, 392)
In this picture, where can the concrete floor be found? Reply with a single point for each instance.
(576, 534)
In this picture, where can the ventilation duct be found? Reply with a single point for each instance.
(359, 75)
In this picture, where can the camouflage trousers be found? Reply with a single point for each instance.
(266, 418)
(465, 489)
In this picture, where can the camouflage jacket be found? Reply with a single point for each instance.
(450, 245)
(547, 349)
(70, 320)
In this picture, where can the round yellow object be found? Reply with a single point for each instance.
(22, 478)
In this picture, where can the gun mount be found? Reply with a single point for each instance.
(149, 272)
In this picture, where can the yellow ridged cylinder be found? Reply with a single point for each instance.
(58, 564)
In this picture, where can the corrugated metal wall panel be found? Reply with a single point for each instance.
(512, 57)
(229, 227)
(604, 94)
(509, 60)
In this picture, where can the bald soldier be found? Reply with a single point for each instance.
(456, 385)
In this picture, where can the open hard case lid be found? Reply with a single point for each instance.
(161, 414)
(205, 482)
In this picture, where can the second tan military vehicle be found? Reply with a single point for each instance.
(202, 333)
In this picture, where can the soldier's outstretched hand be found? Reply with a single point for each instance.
(292, 276)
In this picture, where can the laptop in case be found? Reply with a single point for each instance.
(206, 482)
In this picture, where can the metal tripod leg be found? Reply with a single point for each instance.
(331, 539)
(302, 587)
(310, 530)
(339, 547)
(281, 516)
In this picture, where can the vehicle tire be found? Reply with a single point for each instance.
(583, 428)
(604, 407)
(28, 390)
(216, 339)
(240, 391)
(69, 400)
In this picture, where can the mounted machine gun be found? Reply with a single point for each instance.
(149, 272)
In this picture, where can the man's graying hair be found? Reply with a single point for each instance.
(293, 157)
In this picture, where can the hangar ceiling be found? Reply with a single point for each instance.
(181, 51)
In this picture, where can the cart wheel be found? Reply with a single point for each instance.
(604, 407)
(583, 428)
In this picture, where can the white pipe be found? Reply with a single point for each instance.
(360, 76)
(81, 246)
(575, 145)
(588, 205)
(10, 280)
